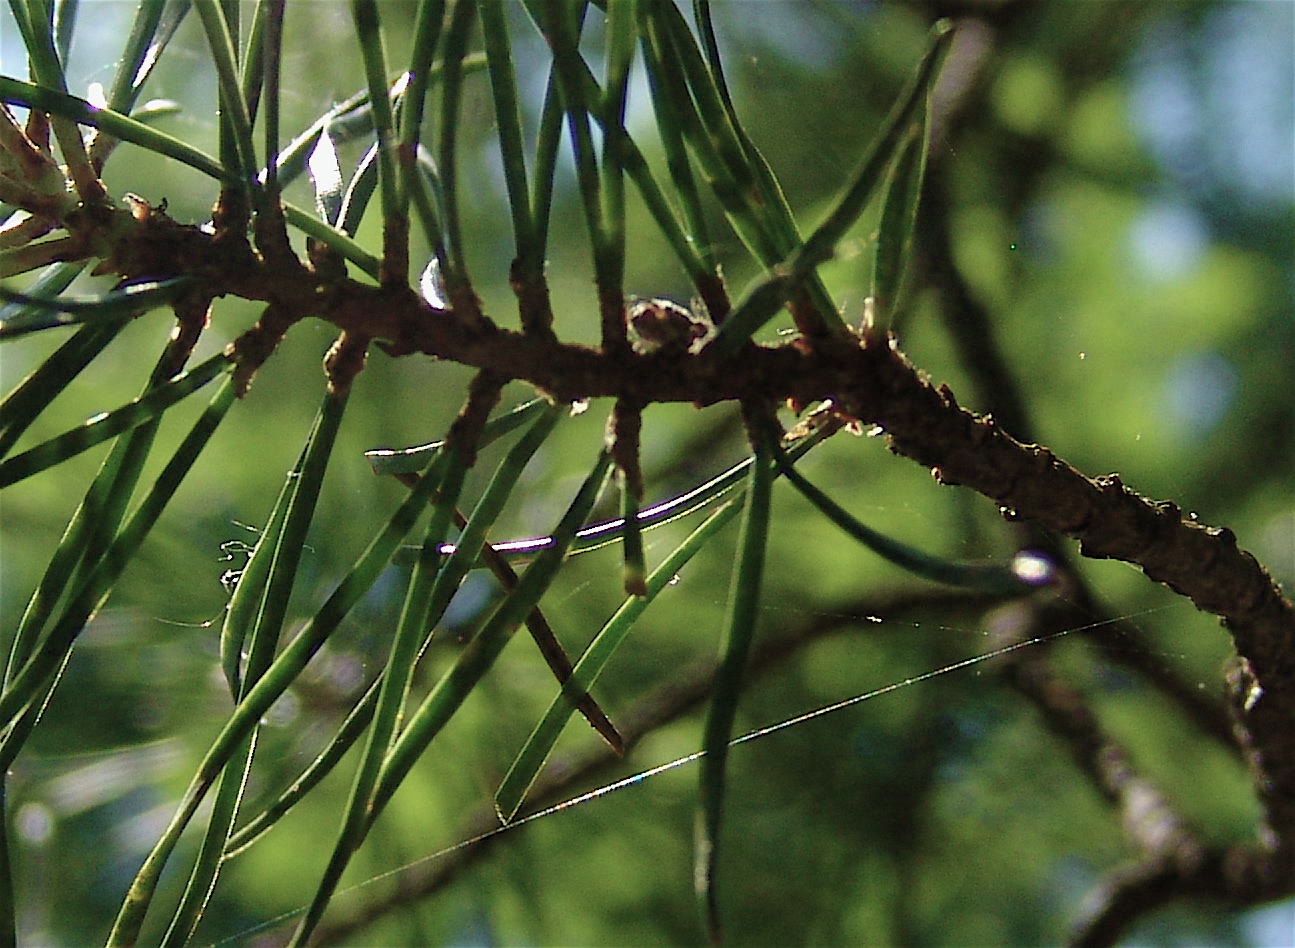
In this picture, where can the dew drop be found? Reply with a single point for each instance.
(1033, 568)
(432, 286)
(34, 822)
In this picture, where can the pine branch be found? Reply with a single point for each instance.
(874, 384)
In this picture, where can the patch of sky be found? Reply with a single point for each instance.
(532, 62)
(1210, 97)
(1168, 238)
(96, 49)
(1165, 110)
(1212, 100)
(94, 52)
(1247, 82)
(13, 57)
(1271, 926)
(1197, 392)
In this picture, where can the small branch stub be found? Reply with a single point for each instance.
(344, 361)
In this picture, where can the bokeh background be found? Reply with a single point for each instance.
(1118, 184)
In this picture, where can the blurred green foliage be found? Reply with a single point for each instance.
(1140, 285)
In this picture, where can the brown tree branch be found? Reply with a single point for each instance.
(1168, 849)
(873, 383)
(1111, 521)
(1223, 874)
(1171, 853)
